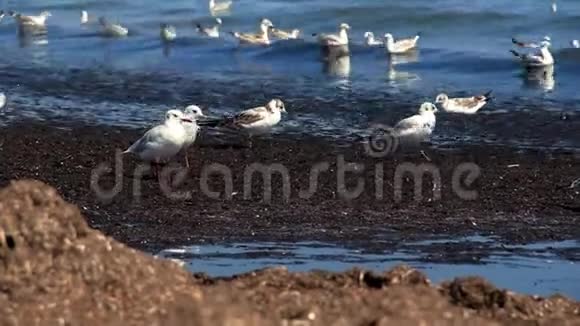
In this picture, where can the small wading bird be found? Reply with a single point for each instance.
(371, 41)
(112, 30)
(192, 113)
(541, 58)
(285, 35)
(162, 142)
(253, 122)
(167, 33)
(402, 45)
(465, 105)
(419, 127)
(259, 38)
(339, 39)
(210, 31)
(31, 21)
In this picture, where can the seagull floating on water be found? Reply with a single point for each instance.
(259, 38)
(31, 21)
(541, 58)
(2, 100)
(285, 35)
(465, 105)
(162, 142)
(335, 39)
(2, 14)
(111, 29)
(575, 44)
(167, 32)
(84, 17)
(212, 31)
(418, 127)
(370, 40)
(191, 112)
(402, 45)
(219, 6)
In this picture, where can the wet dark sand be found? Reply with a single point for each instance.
(521, 195)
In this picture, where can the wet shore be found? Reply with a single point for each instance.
(510, 194)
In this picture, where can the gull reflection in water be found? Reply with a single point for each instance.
(35, 40)
(336, 61)
(404, 58)
(396, 77)
(540, 77)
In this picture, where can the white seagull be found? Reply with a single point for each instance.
(162, 142)
(401, 45)
(84, 17)
(219, 6)
(285, 35)
(31, 21)
(465, 105)
(259, 38)
(419, 127)
(575, 44)
(541, 58)
(370, 40)
(191, 112)
(212, 31)
(167, 32)
(339, 39)
(2, 14)
(2, 100)
(111, 29)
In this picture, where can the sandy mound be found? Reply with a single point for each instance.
(55, 270)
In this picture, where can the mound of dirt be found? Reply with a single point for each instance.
(55, 270)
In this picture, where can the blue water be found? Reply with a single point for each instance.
(531, 269)
(73, 73)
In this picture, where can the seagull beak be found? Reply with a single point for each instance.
(186, 120)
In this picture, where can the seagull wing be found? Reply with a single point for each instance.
(251, 116)
(409, 125)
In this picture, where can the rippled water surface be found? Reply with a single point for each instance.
(72, 72)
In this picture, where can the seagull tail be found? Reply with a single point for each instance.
(314, 34)
(12, 13)
(235, 34)
(212, 122)
(488, 96)
(199, 27)
(515, 53)
(518, 43)
(418, 35)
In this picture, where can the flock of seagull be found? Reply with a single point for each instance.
(179, 130)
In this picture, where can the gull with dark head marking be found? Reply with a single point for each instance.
(370, 40)
(259, 38)
(192, 113)
(541, 58)
(419, 127)
(31, 21)
(285, 35)
(111, 29)
(402, 45)
(163, 142)
(210, 31)
(339, 39)
(168, 33)
(465, 105)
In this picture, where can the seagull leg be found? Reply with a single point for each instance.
(186, 158)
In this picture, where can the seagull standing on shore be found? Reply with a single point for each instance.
(191, 112)
(162, 142)
(340, 39)
(465, 105)
(259, 38)
(371, 41)
(539, 59)
(167, 33)
(212, 31)
(2, 100)
(112, 30)
(418, 127)
(31, 21)
(402, 45)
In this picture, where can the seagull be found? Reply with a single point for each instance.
(256, 121)
(2, 14)
(554, 7)
(401, 45)
(418, 127)
(112, 30)
(212, 31)
(371, 41)
(84, 17)
(466, 105)
(260, 38)
(162, 142)
(31, 21)
(285, 35)
(219, 6)
(2, 100)
(575, 44)
(335, 39)
(539, 59)
(168, 32)
(191, 112)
